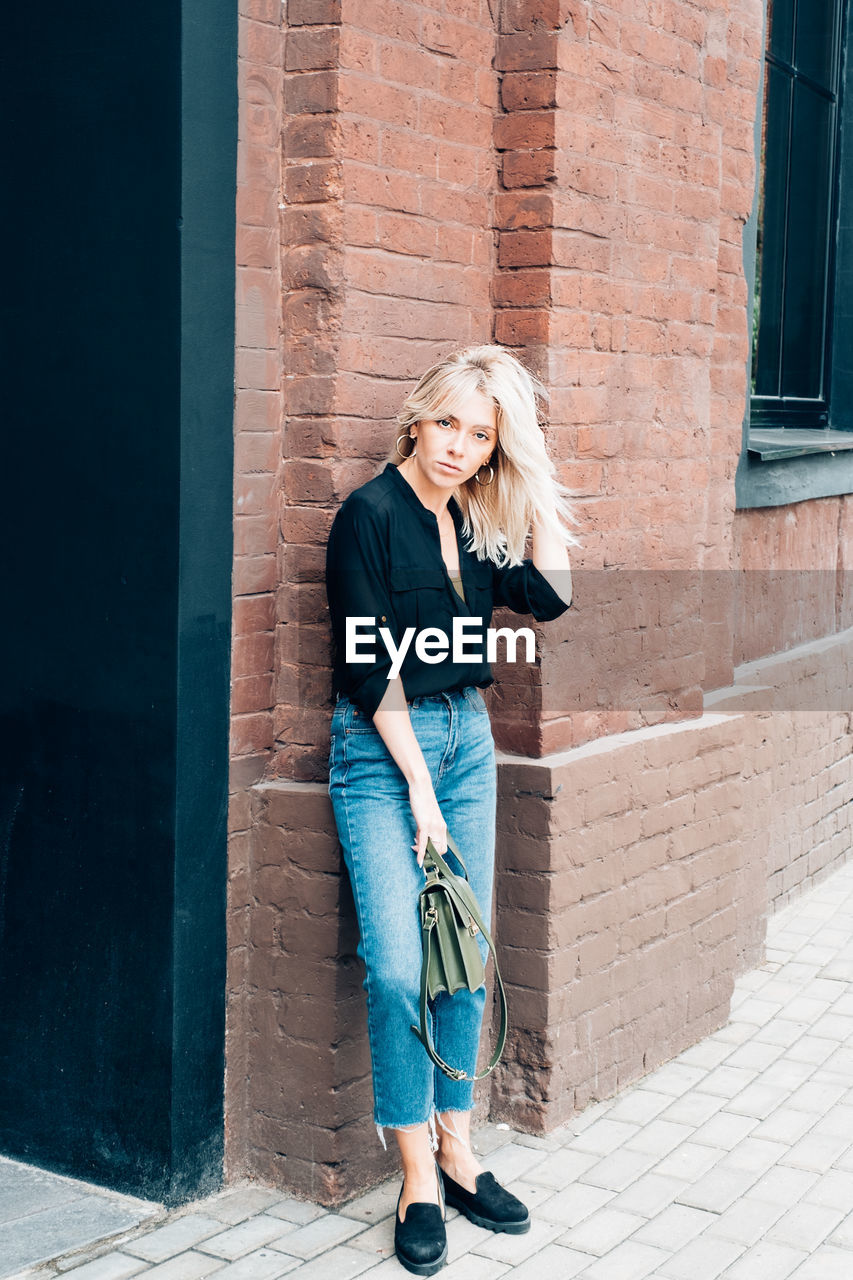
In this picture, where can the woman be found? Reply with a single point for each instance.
(428, 543)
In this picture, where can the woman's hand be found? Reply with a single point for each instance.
(428, 820)
(394, 726)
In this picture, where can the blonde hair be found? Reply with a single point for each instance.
(497, 516)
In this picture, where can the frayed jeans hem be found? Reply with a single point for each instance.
(430, 1122)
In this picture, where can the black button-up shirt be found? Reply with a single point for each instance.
(384, 562)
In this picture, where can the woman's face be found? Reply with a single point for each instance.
(451, 450)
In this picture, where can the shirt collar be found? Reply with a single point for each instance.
(402, 485)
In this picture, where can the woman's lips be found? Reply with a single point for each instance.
(449, 466)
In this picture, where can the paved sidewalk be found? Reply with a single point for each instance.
(734, 1160)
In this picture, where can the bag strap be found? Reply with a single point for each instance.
(429, 922)
(439, 860)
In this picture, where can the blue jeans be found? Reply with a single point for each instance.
(370, 798)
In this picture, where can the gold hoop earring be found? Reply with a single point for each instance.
(484, 483)
(404, 435)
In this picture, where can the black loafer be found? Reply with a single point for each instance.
(492, 1206)
(421, 1239)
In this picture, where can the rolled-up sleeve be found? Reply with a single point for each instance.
(357, 587)
(522, 588)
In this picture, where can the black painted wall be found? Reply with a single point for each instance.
(117, 404)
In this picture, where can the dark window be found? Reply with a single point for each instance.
(797, 214)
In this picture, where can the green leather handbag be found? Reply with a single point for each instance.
(450, 922)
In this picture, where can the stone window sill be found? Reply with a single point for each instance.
(796, 442)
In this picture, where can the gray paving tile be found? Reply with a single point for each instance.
(784, 1184)
(41, 1236)
(474, 1267)
(512, 1161)
(718, 1189)
(569, 1207)
(689, 1161)
(728, 1080)
(649, 1194)
(725, 1130)
(318, 1236)
(463, 1236)
(377, 1240)
(112, 1266)
(639, 1105)
(834, 1189)
(260, 1264)
(674, 1077)
(173, 1238)
(603, 1230)
(826, 1263)
(530, 1194)
(561, 1169)
(247, 1236)
(843, 1233)
(24, 1190)
(469, 1267)
(185, 1266)
(755, 1153)
(490, 1137)
(806, 1226)
(759, 1100)
(593, 1112)
(539, 1141)
(675, 1226)
(766, 1261)
(705, 1258)
(373, 1205)
(708, 1053)
(628, 1261)
(619, 1169)
(694, 1107)
(514, 1250)
(234, 1205)
(341, 1262)
(784, 1125)
(658, 1137)
(818, 1151)
(747, 1220)
(298, 1211)
(606, 1135)
(554, 1262)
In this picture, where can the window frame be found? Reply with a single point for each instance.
(792, 462)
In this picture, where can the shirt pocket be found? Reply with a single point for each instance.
(478, 591)
(419, 596)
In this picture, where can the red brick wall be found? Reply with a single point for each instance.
(636, 875)
(257, 452)
(387, 251)
(794, 575)
(572, 181)
(627, 168)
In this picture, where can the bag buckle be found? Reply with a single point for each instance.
(472, 927)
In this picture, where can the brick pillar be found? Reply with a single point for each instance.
(386, 255)
(626, 176)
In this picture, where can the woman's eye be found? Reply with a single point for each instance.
(443, 422)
